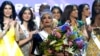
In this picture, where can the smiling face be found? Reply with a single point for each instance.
(46, 20)
(86, 11)
(7, 11)
(97, 7)
(26, 15)
(74, 13)
(56, 13)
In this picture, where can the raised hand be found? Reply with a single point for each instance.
(6, 24)
(12, 23)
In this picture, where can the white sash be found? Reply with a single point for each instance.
(95, 39)
(26, 33)
(43, 35)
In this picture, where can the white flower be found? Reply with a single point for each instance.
(53, 42)
(65, 41)
(70, 50)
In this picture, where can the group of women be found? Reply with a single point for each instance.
(25, 35)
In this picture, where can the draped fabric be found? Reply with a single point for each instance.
(8, 45)
(92, 49)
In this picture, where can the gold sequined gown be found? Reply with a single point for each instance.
(92, 49)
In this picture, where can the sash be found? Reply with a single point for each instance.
(43, 35)
(95, 39)
(8, 45)
(26, 33)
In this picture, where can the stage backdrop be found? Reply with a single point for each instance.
(36, 3)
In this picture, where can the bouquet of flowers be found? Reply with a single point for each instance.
(62, 39)
(75, 41)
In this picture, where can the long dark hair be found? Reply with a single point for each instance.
(94, 11)
(31, 24)
(66, 14)
(80, 10)
(13, 16)
(56, 7)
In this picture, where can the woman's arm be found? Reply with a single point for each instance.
(17, 32)
(27, 39)
(2, 33)
(22, 42)
(86, 32)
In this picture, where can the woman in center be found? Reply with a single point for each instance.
(42, 36)
(46, 29)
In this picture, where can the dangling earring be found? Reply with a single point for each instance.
(41, 26)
